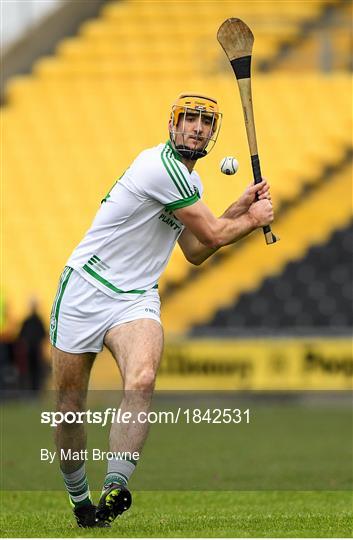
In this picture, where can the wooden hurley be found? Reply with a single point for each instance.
(237, 41)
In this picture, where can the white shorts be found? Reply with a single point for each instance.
(82, 314)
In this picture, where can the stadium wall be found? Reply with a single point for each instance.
(311, 363)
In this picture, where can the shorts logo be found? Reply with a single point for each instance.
(52, 323)
(150, 310)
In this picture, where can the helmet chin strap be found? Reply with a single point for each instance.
(189, 153)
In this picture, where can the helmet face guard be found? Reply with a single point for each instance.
(205, 110)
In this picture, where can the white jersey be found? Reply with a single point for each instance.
(134, 231)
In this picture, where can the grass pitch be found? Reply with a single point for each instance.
(187, 514)
(298, 446)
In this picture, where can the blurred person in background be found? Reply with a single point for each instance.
(32, 337)
(12, 360)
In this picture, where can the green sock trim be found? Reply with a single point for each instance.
(85, 501)
(116, 478)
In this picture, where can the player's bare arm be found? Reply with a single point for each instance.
(205, 234)
(251, 194)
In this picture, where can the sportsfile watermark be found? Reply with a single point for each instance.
(95, 454)
(117, 416)
(196, 440)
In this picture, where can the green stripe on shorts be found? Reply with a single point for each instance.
(53, 309)
(56, 307)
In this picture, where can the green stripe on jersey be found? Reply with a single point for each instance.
(171, 174)
(182, 202)
(110, 285)
(174, 152)
(178, 172)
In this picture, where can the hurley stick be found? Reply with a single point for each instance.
(237, 40)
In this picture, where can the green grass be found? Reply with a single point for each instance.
(188, 514)
(291, 467)
(286, 447)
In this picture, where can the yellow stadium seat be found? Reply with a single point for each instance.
(74, 125)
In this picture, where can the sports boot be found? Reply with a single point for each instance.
(115, 500)
(86, 516)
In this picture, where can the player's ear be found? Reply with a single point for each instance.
(171, 127)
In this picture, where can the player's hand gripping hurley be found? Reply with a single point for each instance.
(237, 40)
